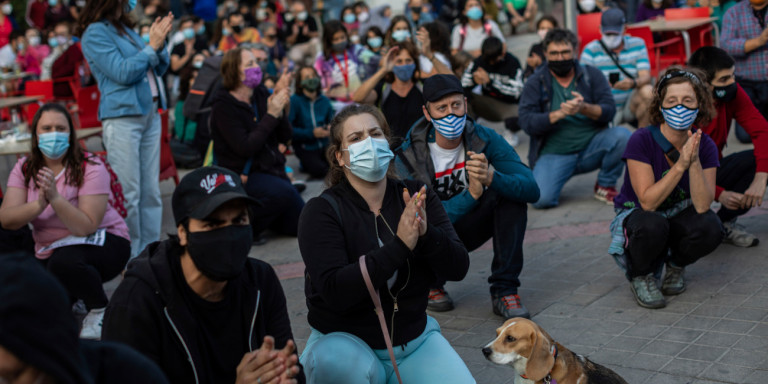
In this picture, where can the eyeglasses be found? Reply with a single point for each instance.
(564, 54)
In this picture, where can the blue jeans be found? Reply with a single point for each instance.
(343, 358)
(133, 150)
(281, 204)
(603, 152)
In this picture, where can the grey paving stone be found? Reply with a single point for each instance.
(664, 348)
(608, 357)
(683, 367)
(594, 339)
(647, 362)
(747, 313)
(734, 326)
(760, 329)
(703, 353)
(697, 322)
(757, 302)
(718, 339)
(631, 375)
(625, 343)
(749, 359)
(753, 344)
(645, 330)
(712, 310)
(728, 373)
(664, 378)
(756, 377)
(661, 318)
(681, 334)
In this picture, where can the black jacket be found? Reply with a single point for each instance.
(331, 244)
(237, 136)
(148, 312)
(506, 77)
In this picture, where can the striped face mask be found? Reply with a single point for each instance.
(451, 126)
(680, 117)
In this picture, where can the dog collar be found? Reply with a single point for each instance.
(548, 378)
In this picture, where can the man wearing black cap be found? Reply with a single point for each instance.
(39, 335)
(623, 59)
(196, 304)
(567, 109)
(448, 151)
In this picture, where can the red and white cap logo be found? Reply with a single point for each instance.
(210, 182)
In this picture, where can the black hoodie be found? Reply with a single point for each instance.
(238, 136)
(149, 313)
(332, 242)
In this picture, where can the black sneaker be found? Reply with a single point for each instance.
(439, 301)
(674, 281)
(510, 306)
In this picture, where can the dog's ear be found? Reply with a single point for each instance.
(541, 361)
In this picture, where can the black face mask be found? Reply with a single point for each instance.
(237, 29)
(560, 67)
(416, 10)
(726, 93)
(220, 254)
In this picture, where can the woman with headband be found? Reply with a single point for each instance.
(663, 216)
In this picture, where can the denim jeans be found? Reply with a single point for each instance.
(603, 152)
(505, 221)
(343, 358)
(133, 150)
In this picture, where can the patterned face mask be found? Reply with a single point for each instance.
(679, 117)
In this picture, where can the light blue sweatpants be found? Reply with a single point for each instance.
(343, 358)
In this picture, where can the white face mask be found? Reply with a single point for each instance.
(587, 5)
(612, 41)
(7, 8)
(542, 33)
(34, 41)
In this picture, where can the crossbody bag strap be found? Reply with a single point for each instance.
(613, 57)
(665, 145)
(380, 313)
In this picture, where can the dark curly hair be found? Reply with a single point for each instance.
(679, 75)
(74, 160)
(336, 171)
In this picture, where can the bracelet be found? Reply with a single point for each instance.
(634, 83)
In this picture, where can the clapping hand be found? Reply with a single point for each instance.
(267, 366)
(159, 30)
(46, 183)
(413, 221)
(573, 106)
(480, 76)
(689, 154)
(422, 35)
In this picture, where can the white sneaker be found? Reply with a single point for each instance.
(511, 138)
(92, 325)
(737, 235)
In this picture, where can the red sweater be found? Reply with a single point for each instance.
(745, 113)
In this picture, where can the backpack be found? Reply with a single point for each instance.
(463, 33)
(117, 199)
(387, 89)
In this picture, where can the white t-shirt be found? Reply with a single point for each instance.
(474, 36)
(7, 56)
(426, 65)
(449, 169)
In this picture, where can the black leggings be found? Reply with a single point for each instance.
(82, 269)
(735, 173)
(689, 235)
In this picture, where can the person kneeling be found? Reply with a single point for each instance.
(663, 214)
(195, 303)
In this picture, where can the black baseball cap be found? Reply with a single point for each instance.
(613, 20)
(438, 86)
(204, 190)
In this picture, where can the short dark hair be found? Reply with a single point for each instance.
(492, 48)
(549, 18)
(559, 35)
(678, 75)
(299, 89)
(710, 60)
(230, 68)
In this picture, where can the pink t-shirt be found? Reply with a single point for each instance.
(47, 227)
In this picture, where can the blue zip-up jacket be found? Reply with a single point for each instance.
(305, 115)
(120, 62)
(536, 103)
(511, 178)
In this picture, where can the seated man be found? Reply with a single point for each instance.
(195, 303)
(624, 62)
(566, 108)
(452, 154)
(67, 63)
(38, 335)
(500, 77)
(741, 177)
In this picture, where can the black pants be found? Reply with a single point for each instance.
(758, 93)
(505, 221)
(735, 174)
(82, 269)
(313, 162)
(650, 236)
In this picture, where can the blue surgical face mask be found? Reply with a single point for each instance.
(197, 64)
(475, 13)
(349, 18)
(374, 42)
(145, 37)
(369, 159)
(189, 33)
(131, 5)
(679, 117)
(201, 31)
(404, 72)
(53, 3)
(225, 32)
(451, 126)
(53, 144)
(401, 35)
(53, 42)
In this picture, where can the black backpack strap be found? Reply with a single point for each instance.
(665, 145)
(333, 204)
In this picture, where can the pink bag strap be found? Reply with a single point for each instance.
(379, 312)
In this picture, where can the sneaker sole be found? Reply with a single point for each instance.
(755, 242)
(661, 304)
(526, 315)
(603, 199)
(669, 292)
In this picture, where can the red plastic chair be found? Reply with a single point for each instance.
(87, 112)
(655, 56)
(588, 27)
(700, 36)
(167, 165)
(42, 88)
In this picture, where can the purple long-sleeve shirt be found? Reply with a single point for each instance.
(644, 13)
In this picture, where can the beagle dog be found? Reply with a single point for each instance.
(537, 358)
